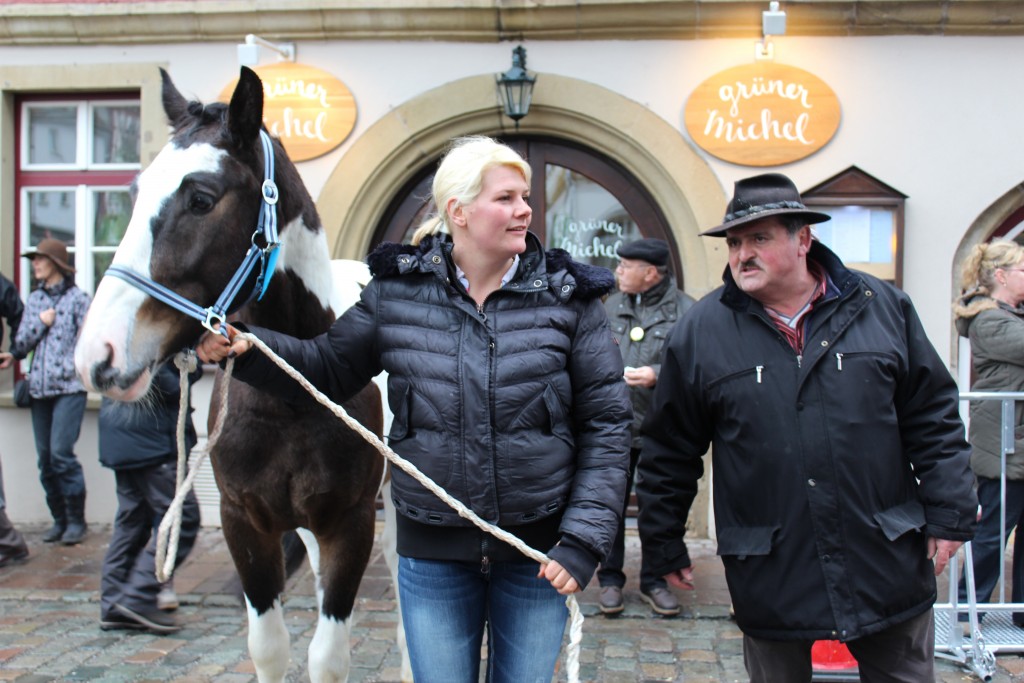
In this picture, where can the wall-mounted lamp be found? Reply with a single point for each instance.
(773, 23)
(249, 51)
(516, 87)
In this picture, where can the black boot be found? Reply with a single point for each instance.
(60, 519)
(75, 531)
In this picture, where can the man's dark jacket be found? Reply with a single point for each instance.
(821, 522)
(11, 307)
(655, 312)
(518, 409)
(143, 435)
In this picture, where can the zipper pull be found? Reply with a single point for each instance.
(839, 362)
(799, 361)
(758, 370)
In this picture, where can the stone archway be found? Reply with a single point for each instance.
(384, 158)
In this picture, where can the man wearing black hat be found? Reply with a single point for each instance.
(642, 311)
(841, 476)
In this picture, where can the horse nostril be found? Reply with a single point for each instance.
(103, 373)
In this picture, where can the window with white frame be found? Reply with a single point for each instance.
(77, 159)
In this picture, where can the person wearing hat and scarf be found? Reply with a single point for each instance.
(49, 328)
(841, 481)
(642, 311)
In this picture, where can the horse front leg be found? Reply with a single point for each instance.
(389, 546)
(259, 561)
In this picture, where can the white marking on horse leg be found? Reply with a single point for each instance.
(389, 546)
(329, 656)
(268, 643)
(304, 251)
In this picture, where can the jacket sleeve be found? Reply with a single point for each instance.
(10, 306)
(31, 330)
(602, 416)
(339, 362)
(676, 434)
(933, 436)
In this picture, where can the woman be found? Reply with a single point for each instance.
(988, 314)
(49, 329)
(506, 389)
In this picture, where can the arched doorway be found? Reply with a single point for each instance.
(583, 202)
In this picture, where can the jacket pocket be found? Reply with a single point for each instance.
(898, 520)
(743, 542)
(398, 396)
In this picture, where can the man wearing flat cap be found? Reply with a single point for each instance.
(642, 311)
(841, 477)
(49, 329)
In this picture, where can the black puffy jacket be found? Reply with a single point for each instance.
(831, 468)
(518, 410)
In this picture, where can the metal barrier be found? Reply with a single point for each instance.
(977, 646)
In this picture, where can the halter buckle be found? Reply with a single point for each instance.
(213, 316)
(269, 190)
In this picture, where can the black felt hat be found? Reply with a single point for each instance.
(760, 196)
(648, 249)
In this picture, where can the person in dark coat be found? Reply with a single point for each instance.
(988, 313)
(139, 442)
(13, 549)
(643, 310)
(841, 476)
(506, 388)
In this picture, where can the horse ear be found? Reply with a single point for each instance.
(175, 105)
(245, 113)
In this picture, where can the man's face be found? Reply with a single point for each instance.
(634, 276)
(765, 260)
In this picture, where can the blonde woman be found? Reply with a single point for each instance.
(506, 387)
(988, 313)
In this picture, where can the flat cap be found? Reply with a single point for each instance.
(652, 250)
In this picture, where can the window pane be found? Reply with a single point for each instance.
(101, 260)
(584, 218)
(52, 134)
(51, 213)
(115, 131)
(859, 234)
(113, 211)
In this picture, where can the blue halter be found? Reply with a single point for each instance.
(265, 256)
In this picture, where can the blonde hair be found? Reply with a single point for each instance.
(460, 176)
(978, 273)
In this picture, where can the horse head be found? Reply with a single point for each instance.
(196, 210)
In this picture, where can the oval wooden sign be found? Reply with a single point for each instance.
(762, 114)
(309, 109)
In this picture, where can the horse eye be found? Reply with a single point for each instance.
(200, 203)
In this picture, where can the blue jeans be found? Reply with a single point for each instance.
(56, 423)
(447, 605)
(985, 546)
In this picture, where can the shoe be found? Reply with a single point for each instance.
(74, 534)
(54, 533)
(610, 601)
(167, 599)
(17, 557)
(662, 601)
(150, 619)
(118, 622)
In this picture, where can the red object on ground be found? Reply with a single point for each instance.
(831, 655)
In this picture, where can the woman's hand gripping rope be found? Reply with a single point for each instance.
(213, 348)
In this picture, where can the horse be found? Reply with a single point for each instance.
(212, 199)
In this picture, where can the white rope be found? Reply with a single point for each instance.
(572, 655)
(170, 525)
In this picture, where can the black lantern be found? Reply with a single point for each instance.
(516, 87)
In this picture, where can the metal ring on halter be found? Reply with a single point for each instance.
(269, 191)
(211, 317)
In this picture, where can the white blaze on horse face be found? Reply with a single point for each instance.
(304, 251)
(112, 333)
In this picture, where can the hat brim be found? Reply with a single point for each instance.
(809, 216)
(60, 266)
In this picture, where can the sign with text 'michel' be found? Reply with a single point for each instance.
(762, 114)
(309, 109)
